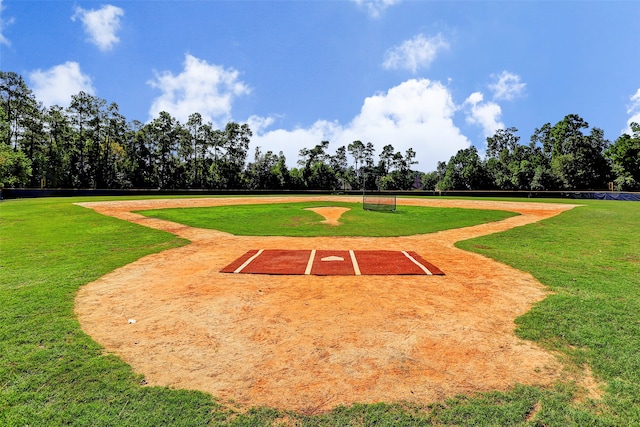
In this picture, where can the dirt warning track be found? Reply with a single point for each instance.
(311, 342)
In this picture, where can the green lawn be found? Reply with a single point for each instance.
(590, 258)
(292, 219)
(52, 374)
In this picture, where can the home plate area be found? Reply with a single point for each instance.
(331, 263)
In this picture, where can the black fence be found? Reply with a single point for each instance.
(19, 193)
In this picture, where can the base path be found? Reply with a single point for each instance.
(311, 342)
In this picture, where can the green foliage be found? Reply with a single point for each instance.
(91, 145)
(429, 180)
(15, 168)
(268, 171)
(559, 157)
(577, 160)
(292, 219)
(465, 171)
(625, 156)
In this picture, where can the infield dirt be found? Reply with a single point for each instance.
(309, 343)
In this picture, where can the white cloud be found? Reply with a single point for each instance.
(56, 85)
(201, 87)
(290, 142)
(375, 7)
(415, 114)
(3, 24)
(101, 25)
(258, 124)
(507, 86)
(414, 54)
(634, 111)
(485, 114)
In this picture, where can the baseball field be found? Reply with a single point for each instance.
(311, 311)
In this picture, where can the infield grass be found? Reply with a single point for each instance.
(52, 374)
(292, 219)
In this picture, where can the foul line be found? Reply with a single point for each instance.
(247, 262)
(417, 263)
(354, 261)
(307, 271)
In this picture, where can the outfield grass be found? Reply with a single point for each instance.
(292, 219)
(590, 258)
(51, 373)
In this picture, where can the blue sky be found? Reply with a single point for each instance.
(433, 76)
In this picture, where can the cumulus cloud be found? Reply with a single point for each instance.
(375, 7)
(415, 114)
(414, 54)
(485, 114)
(101, 25)
(56, 85)
(3, 24)
(259, 124)
(633, 110)
(201, 87)
(507, 86)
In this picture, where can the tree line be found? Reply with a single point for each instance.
(558, 157)
(90, 144)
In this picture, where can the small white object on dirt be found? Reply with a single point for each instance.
(131, 321)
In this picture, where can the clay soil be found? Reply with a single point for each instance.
(309, 343)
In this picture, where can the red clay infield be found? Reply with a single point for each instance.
(331, 263)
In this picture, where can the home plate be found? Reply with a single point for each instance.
(331, 263)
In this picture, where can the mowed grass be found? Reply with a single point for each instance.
(52, 374)
(293, 219)
(590, 259)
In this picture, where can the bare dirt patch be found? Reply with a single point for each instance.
(331, 214)
(300, 342)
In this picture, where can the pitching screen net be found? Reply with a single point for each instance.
(381, 203)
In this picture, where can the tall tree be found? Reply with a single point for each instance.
(268, 171)
(236, 144)
(339, 164)
(386, 159)
(112, 171)
(624, 155)
(33, 143)
(316, 172)
(164, 134)
(543, 178)
(230, 155)
(465, 171)
(577, 160)
(503, 159)
(87, 118)
(19, 104)
(59, 148)
(401, 175)
(209, 154)
(15, 168)
(356, 149)
(192, 148)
